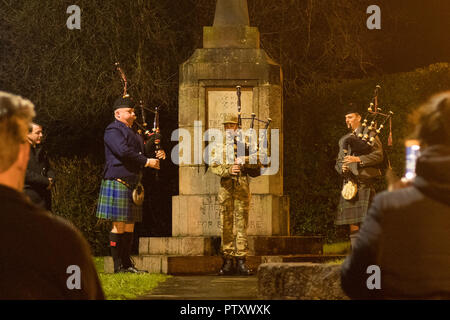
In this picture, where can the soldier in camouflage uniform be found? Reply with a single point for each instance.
(234, 200)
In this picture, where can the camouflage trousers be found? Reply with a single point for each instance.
(234, 207)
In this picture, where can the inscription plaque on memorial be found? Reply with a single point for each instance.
(222, 101)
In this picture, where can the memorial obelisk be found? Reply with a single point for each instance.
(230, 56)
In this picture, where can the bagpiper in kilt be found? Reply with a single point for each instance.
(365, 170)
(125, 160)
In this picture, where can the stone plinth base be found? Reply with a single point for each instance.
(284, 245)
(302, 281)
(182, 246)
(209, 246)
(201, 255)
(206, 265)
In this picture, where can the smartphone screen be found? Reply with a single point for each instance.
(412, 153)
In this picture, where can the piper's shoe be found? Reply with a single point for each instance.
(227, 267)
(242, 268)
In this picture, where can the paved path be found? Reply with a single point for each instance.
(206, 288)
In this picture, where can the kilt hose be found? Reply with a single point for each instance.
(353, 211)
(115, 203)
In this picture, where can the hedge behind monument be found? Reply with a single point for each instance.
(70, 77)
(314, 122)
(75, 195)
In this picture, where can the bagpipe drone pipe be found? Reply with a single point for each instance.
(152, 138)
(260, 149)
(361, 141)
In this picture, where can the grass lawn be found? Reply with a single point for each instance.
(337, 248)
(122, 286)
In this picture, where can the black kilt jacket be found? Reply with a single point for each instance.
(353, 211)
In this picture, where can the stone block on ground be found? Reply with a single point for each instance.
(300, 281)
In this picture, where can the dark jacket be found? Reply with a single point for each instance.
(36, 179)
(124, 152)
(36, 250)
(369, 168)
(406, 233)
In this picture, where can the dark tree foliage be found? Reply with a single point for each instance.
(70, 75)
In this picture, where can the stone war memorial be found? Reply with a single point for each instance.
(225, 150)
(231, 56)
